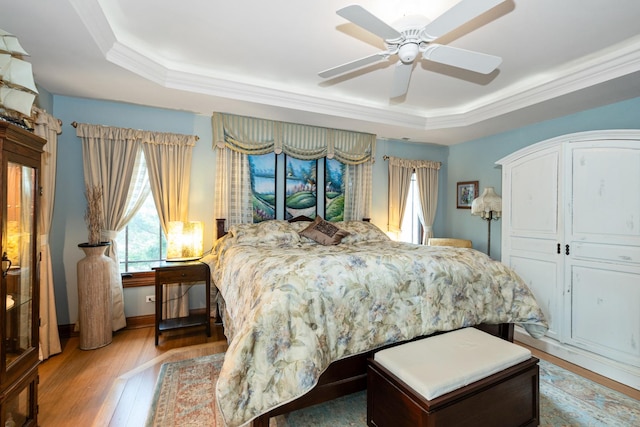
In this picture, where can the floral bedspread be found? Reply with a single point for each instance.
(293, 306)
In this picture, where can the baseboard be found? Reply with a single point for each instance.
(620, 372)
(134, 322)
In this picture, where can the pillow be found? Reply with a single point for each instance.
(362, 231)
(324, 232)
(269, 233)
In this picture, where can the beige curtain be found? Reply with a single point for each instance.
(400, 171)
(236, 137)
(109, 159)
(47, 127)
(427, 179)
(168, 159)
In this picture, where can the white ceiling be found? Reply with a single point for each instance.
(262, 58)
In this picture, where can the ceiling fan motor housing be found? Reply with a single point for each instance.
(408, 52)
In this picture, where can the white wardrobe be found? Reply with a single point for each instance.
(571, 230)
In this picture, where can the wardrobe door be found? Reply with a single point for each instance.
(532, 229)
(603, 236)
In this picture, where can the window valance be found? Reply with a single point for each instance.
(413, 164)
(255, 136)
(86, 130)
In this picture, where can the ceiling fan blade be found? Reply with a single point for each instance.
(461, 58)
(401, 78)
(365, 19)
(458, 15)
(349, 66)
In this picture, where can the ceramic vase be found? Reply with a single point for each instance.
(95, 276)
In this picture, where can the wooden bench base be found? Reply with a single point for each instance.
(504, 399)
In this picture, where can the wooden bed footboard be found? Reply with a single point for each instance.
(349, 375)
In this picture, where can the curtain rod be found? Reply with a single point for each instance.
(75, 125)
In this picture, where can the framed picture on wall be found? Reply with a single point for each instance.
(466, 192)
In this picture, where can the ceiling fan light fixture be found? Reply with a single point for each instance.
(408, 52)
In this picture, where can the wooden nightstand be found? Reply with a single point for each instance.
(182, 272)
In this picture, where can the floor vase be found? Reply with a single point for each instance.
(95, 274)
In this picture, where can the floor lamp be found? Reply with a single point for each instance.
(489, 207)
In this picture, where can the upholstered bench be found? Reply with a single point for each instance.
(460, 378)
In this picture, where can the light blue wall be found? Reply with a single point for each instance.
(475, 161)
(469, 161)
(69, 229)
(379, 204)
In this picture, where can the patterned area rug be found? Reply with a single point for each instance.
(184, 396)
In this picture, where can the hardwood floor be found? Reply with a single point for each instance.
(113, 386)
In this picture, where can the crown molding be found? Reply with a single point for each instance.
(608, 64)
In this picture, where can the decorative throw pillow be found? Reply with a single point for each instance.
(324, 232)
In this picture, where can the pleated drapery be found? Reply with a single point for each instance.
(169, 167)
(47, 127)
(236, 137)
(400, 172)
(112, 161)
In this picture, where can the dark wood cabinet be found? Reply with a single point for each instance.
(182, 272)
(20, 152)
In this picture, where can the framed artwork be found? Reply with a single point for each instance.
(466, 192)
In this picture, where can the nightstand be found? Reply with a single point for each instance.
(182, 272)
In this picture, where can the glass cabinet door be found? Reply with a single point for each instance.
(18, 263)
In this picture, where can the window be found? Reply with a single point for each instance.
(411, 226)
(142, 244)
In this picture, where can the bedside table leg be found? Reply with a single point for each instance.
(158, 306)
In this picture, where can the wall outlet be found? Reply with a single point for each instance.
(150, 298)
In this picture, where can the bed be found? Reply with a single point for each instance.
(301, 317)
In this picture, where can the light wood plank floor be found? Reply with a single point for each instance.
(113, 385)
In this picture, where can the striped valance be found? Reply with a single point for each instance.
(254, 136)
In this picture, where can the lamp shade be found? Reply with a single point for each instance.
(488, 205)
(184, 240)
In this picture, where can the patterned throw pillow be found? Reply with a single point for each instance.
(324, 232)
(361, 231)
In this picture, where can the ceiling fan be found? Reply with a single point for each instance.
(414, 37)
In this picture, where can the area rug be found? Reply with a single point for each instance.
(185, 396)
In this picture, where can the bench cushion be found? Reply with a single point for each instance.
(440, 364)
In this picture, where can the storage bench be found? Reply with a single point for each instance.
(460, 378)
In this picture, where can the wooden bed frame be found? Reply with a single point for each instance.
(347, 375)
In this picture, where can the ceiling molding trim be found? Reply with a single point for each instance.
(149, 69)
(94, 20)
(607, 65)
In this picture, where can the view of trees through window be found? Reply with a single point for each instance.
(411, 227)
(142, 244)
